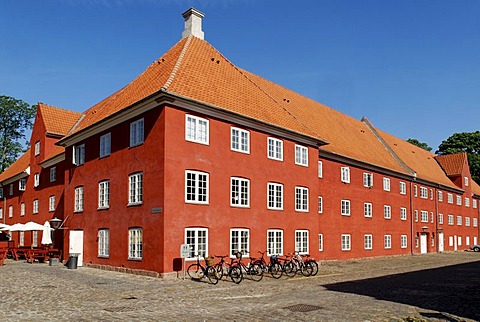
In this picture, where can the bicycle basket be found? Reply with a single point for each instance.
(274, 258)
(238, 255)
(209, 261)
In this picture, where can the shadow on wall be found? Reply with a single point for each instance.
(449, 290)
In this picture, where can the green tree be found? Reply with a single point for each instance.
(16, 117)
(464, 142)
(422, 145)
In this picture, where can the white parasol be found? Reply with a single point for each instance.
(47, 234)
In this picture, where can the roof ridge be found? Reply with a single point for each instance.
(176, 67)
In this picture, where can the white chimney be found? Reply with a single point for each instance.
(193, 23)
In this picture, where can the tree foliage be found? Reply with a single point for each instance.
(422, 145)
(464, 142)
(16, 117)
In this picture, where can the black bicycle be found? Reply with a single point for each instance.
(224, 268)
(197, 271)
(252, 269)
(274, 268)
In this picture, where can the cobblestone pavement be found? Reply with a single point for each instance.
(430, 287)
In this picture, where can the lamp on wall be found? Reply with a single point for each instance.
(55, 223)
(425, 229)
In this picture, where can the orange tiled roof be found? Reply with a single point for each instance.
(17, 167)
(475, 188)
(452, 164)
(57, 120)
(419, 160)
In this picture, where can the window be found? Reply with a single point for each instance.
(22, 209)
(197, 239)
(320, 242)
(78, 199)
(79, 154)
(240, 140)
(274, 242)
(431, 194)
(386, 184)
(35, 238)
(239, 192)
(423, 193)
(239, 242)
(474, 222)
(320, 169)
(440, 218)
(346, 242)
(450, 198)
(345, 174)
(21, 184)
(301, 241)
(474, 203)
(403, 241)
(135, 191)
(387, 241)
(1, 213)
(53, 174)
(103, 242)
(51, 203)
(368, 241)
(403, 188)
(275, 196)
(467, 202)
(21, 241)
(275, 149)
(465, 181)
(320, 204)
(345, 207)
(36, 179)
(432, 217)
(459, 200)
(104, 194)
(196, 187)
(1, 193)
(135, 243)
(10, 211)
(105, 145)
(450, 220)
(416, 215)
(35, 206)
(424, 216)
(301, 155)
(301, 199)
(368, 180)
(136, 133)
(10, 192)
(387, 212)
(196, 130)
(37, 148)
(403, 213)
(415, 190)
(367, 209)
(467, 221)
(459, 220)
(440, 196)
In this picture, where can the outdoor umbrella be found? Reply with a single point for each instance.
(4, 226)
(15, 227)
(46, 235)
(33, 226)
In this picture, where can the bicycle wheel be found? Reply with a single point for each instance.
(306, 269)
(290, 269)
(276, 270)
(219, 269)
(235, 274)
(315, 267)
(256, 272)
(195, 271)
(212, 275)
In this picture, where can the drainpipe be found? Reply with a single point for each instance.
(436, 221)
(412, 237)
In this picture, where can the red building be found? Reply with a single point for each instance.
(198, 151)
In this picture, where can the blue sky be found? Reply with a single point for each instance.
(412, 67)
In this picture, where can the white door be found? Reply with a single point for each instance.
(423, 243)
(440, 242)
(455, 247)
(76, 245)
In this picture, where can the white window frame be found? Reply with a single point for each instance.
(423, 192)
(104, 242)
(459, 200)
(320, 169)
(104, 194)
(274, 196)
(450, 198)
(465, 181)
(239, 140)
(320, 242)
(274, 149)
(301, 242)
(36, 180)
(474, 203)
(105, 145)
(345, 174)
(403, 241)
(450, 220)
(35, 238)
(423, 216)
(387, 211)
(137, 129)
(346, 242)
(386, 184)
(345, 207)
(440, 218)
(239, 241)
(78, 206)
(467, 202)
(135, 243)
(22, 209)
(78, 154)
(10, 211)
(403, 213)
(197, 239)
(197, 129)
(51, 203)
(301, 199)
(403, 188)
(301, 155)
(387, 241)
(440, 196)
(467, 221)
(135, 188)
(22, 184)
(53, 174)
(37, 148)
(35, 206)
(416, 215)
(10, 190)
(320, 204)
(367, 209)
(368, 179)
(474, 223)
(197, 187)
(415, 190)
(21, 239)
(1, 213)
(459, 220)
(239, 192)
(368, 241)
(274, 242)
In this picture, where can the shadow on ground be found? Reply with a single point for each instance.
(451, 290)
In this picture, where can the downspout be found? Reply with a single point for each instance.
(412, 238)
(436, 221)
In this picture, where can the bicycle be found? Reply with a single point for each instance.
(253, 270)
(295, 263)
(274, 267)
(313, 262)
(197, 271)
(223, 269)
